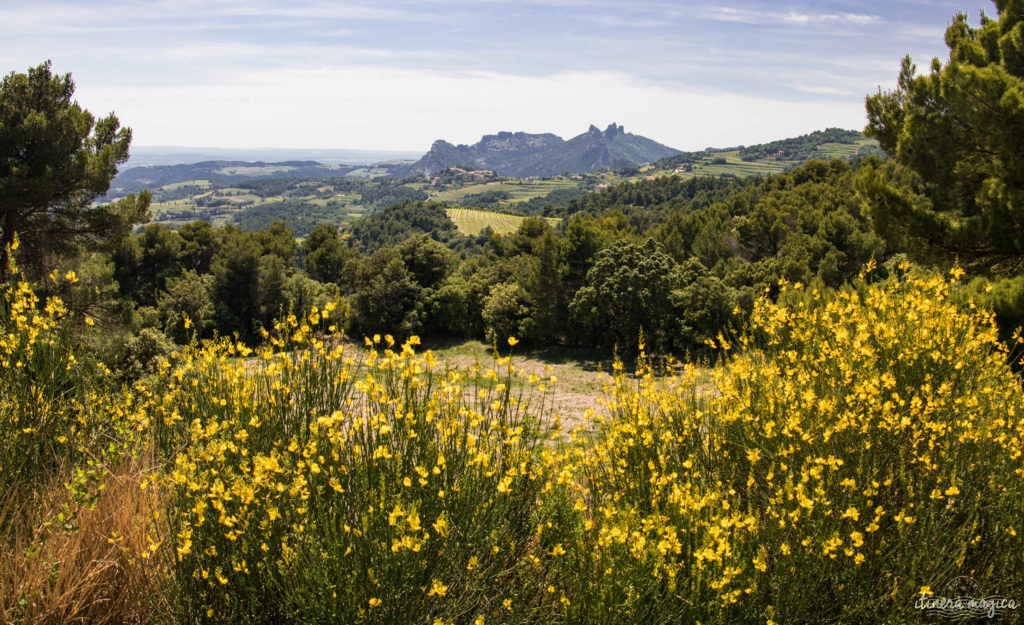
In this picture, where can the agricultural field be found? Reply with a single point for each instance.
(838, 150)
(520, 190)
(472, 222)
(205, 184)
(255, 170)
(729, 162)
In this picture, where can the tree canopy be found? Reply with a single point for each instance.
(56, 159)
(959, 128)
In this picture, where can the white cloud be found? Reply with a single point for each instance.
(392, 108)
(749, 16)
(820, 89)
(824, 18)
(624, 21)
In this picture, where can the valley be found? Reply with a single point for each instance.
(304, 193)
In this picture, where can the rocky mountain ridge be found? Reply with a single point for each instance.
(521, 155)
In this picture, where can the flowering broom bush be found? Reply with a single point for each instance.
(322, 484)
(66, 431)
(42, 411)
(859, 450)
(57, 411)
(869, 449)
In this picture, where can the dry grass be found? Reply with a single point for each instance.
(580, 376)
(94, 574)
(583, 376)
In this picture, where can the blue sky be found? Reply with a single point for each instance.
(396, 74)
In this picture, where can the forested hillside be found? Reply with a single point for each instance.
(683, 259)
(303, 195)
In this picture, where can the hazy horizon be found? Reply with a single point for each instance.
(327, 156)
(397, 75)
(147, 155)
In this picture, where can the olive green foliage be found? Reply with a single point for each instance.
(505, 312)
(249, 273)
(398, 289)
(387, 298)
(142, 353)
(201, 243)
(628, 291)
(326, 258)
(811, 221)
(396, 223)
(145, 262)
(646, 202)
(427, 260)
(199, 279)
(187, 300)
(447, 309)
(55, 160)
(958, 128)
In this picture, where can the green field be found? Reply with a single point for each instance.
(254, 170)
(205, 184)
(521, 191)
(736, 166)
(838, 150)
(472, 222)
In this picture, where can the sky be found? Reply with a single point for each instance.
(397, 74)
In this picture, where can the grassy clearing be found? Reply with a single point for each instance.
(580, 376)
(205, 184)
(472, 222)
(254, 170)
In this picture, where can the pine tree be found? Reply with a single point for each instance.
(960, 129)
(56, 160)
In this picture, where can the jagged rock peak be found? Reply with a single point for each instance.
(612, 130)
(520, 154)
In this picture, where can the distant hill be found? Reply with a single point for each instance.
(135, 179)
(788, 153)
(146, 155)
(522, 155)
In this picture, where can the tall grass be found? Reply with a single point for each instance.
(75, 521)
(104, 571)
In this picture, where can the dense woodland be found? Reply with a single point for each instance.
(679, 261)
